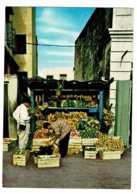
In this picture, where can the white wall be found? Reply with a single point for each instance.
(121, 55)
(57, 71)
(12, 102)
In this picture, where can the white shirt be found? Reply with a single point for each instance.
(21, 114)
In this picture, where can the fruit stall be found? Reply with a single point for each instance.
(83, 106)
(68, 96)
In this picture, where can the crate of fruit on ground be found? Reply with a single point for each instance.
(109, 155)
(110, 147)
(48, 161)
(90, 152)
(9, 143)
(21, 157)
(40, 137)
(90, 131)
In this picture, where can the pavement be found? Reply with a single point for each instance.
(74, 172)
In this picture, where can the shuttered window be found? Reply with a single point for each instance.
(9, 34)
(21, 44)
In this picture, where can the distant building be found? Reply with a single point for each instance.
(20, 59)
(58, 73)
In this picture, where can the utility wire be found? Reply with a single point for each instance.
(52, 45)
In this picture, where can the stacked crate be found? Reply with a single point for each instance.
(37, 142)
(89, 149)
(74, 145)
(9, 144)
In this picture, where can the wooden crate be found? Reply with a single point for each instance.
(90, 152)
(35, 147)
(88, 141)
(98, 148)
(39, 141)
(75, 141)
(48, 161)
(109, 155)
(21, 160)
(35, 159)
(10, 144)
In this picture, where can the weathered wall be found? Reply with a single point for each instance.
(24, 23)
(93, 47)
(121, 53)
(12, 103)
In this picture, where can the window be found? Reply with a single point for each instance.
(63, 76)
(9, 34)
(20, 43)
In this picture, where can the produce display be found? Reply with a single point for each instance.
(71, 117)
(108, 117)
(21, 152)
(80, 101)
(108, 143)
(91, 128)
(7, 140)
(42, 133)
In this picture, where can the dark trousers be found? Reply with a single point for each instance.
(63, 147)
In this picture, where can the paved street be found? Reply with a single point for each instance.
(74, 172)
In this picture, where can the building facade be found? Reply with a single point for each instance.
(104, 49)
(20, 60)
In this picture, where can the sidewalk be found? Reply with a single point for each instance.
(74, 172)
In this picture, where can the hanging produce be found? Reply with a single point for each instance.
(108, 119)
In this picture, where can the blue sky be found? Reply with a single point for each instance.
(59, 26)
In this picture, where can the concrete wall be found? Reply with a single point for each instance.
(24, 23)
(93, 47)
(12, 103)
(121, 54)
(106, 43)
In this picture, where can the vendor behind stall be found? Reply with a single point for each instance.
(61, 129)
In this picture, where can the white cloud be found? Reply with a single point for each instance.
(56, 42)
(52, 18)
(45, 29)
(59, 53)
(59, 61)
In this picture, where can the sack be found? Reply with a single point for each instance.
(22, 127)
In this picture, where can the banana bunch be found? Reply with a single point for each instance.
(108, 117)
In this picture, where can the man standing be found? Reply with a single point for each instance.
(21, 115)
